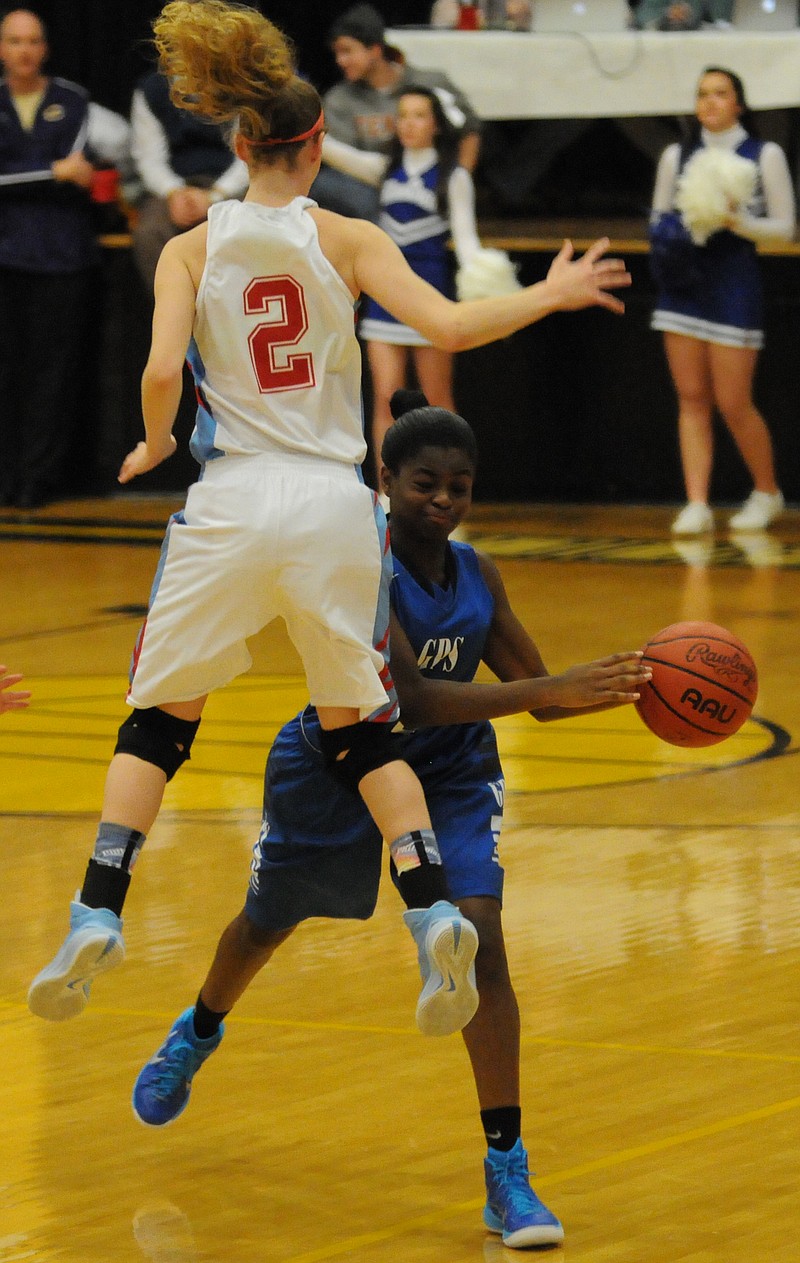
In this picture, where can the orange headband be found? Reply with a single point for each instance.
(289, 140)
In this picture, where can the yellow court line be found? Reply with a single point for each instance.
(15, 1008)
(620, 1158)
(668, 1049)
(433, 1218)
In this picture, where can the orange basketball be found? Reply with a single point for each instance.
(704, 684)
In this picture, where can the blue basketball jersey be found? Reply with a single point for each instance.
(447, 628)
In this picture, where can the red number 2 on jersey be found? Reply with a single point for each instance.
(281, 300)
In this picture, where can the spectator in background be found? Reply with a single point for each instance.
(682, 15)
(185, 165)
(47, 252)
(360, 111)
(517, 14)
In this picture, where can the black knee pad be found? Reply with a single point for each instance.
(353, 751)
(156, 737)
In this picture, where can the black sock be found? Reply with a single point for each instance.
(205, 1021)
(105, 887)
(502, 1126)
(421, 887)
(416, 869)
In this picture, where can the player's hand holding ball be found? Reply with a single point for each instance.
(612, 681)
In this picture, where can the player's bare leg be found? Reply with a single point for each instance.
(493, 1041)
(162, 1089)
(134, 790)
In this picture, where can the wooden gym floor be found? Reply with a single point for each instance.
(652, 913)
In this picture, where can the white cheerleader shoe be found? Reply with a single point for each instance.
(758, 511)
(695, 518)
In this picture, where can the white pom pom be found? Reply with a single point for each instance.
(489, 274)
(714, 184)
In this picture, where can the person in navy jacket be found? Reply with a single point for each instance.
(185, 165)
(47, 251)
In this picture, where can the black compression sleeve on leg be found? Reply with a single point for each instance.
(105, 887)
(416, 868)
(422, 887)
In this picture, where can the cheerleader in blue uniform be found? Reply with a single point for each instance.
(709, 307)
(422, 194)
(425, 199)
(319, 853)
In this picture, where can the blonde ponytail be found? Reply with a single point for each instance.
(226, 62)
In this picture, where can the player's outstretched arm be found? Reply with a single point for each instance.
(511, 654)
(9, 700)
(380, 270)
(525, 684)
(425, 702)
(162, 380)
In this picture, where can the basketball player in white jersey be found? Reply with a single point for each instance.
(261, 298)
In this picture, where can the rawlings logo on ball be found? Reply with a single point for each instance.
(727, 665)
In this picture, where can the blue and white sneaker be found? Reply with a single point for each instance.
(93, 945)
(446, 946)
(512, 1208)
(162, 1089)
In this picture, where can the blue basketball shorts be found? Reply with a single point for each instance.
(319, 854)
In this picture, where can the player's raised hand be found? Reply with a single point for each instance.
(613, 680)
(585, 282)
(17, 700)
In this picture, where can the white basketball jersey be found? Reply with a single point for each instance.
(274, 353)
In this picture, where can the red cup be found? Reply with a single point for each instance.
(105, 186)
(468, 17)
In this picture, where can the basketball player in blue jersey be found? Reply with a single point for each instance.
(319, 853)
(281, 522)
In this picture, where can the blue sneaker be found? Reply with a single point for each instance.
(162, 1089)
(446, 945)
(512, 1208)
(93, 945)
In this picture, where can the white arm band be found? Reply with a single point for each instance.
(362, 164)
(779, 222)
(461, 204)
